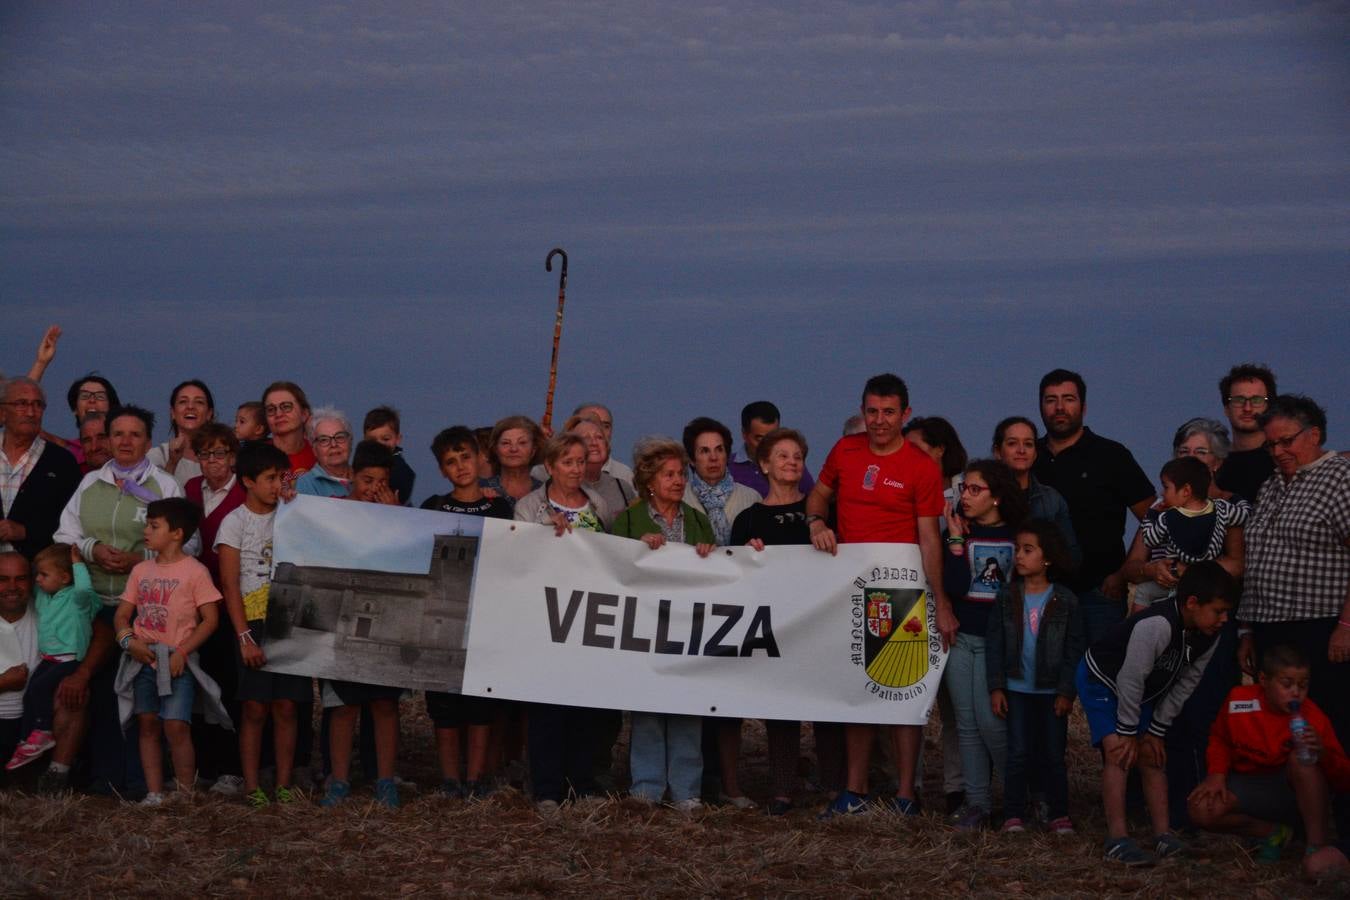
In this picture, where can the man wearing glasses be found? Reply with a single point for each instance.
(37, 477)
(1246, 392)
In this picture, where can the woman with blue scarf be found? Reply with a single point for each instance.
(712, 492)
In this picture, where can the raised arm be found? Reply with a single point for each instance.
(46, 352)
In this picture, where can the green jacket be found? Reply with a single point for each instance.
(66, 618)
(636, 520)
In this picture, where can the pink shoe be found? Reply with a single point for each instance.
(36, 744)
(1062, 825)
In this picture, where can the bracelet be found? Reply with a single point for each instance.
(956, 539)
(125, 640)
(246, 637)
(1344, 623)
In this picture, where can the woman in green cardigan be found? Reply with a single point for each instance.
(665, 749)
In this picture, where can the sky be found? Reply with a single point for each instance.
(759, 201)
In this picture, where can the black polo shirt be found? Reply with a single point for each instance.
(1100, 481)
(1244, 471)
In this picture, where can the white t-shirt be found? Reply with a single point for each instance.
(18, 647)
(185, 471)
(250, 534)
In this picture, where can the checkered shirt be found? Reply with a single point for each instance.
(1298, 566)
(12, 476)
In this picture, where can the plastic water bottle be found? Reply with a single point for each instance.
(1299, 730)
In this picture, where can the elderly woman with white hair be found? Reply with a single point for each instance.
(330, 433)
(1208, 441)
(665, 752)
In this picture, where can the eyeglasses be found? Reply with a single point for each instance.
(26, 404)
(973, 490)
(1284, 443)
(99, 396)
(1256, 403)
(325, 440)
(214, 454)
(284, 406)
(1198, 451)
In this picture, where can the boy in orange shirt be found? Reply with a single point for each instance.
(1256, 784)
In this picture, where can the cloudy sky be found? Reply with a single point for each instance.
(760, 200)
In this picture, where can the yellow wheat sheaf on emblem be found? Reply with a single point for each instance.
(904, 659)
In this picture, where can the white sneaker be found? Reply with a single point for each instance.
(741, 802)
(152, 799)
(688, 806)
(228, 786)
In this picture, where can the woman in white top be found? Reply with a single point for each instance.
(190, 407)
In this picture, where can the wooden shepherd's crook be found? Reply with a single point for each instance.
(557, 332)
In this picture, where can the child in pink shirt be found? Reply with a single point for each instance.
(175, 605)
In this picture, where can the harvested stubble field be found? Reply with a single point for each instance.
(86, 846)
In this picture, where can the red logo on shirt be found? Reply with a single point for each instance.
(870, 477)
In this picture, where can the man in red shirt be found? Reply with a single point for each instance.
(885, 490)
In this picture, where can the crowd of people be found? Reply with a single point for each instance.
(134, 583)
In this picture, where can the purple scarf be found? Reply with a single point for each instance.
(129, 480)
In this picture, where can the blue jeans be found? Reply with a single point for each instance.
(666, 751)
(177, 705)
(1037, 740)
(981, 734)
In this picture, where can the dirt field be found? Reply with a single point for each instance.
(85, 846)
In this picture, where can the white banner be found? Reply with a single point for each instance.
(506, 609)
(786, 633)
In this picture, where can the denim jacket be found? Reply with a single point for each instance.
(1059, 645)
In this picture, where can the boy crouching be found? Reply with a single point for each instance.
(1132, 684)
(1262, 777)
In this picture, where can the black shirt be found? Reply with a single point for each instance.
(1100, 480)
(401, 478)
(973, 579)
(489, 507)
(784, 524)
(1244, 471)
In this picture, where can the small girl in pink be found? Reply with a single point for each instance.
(175, 605)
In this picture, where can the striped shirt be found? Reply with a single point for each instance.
(1192, 537)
